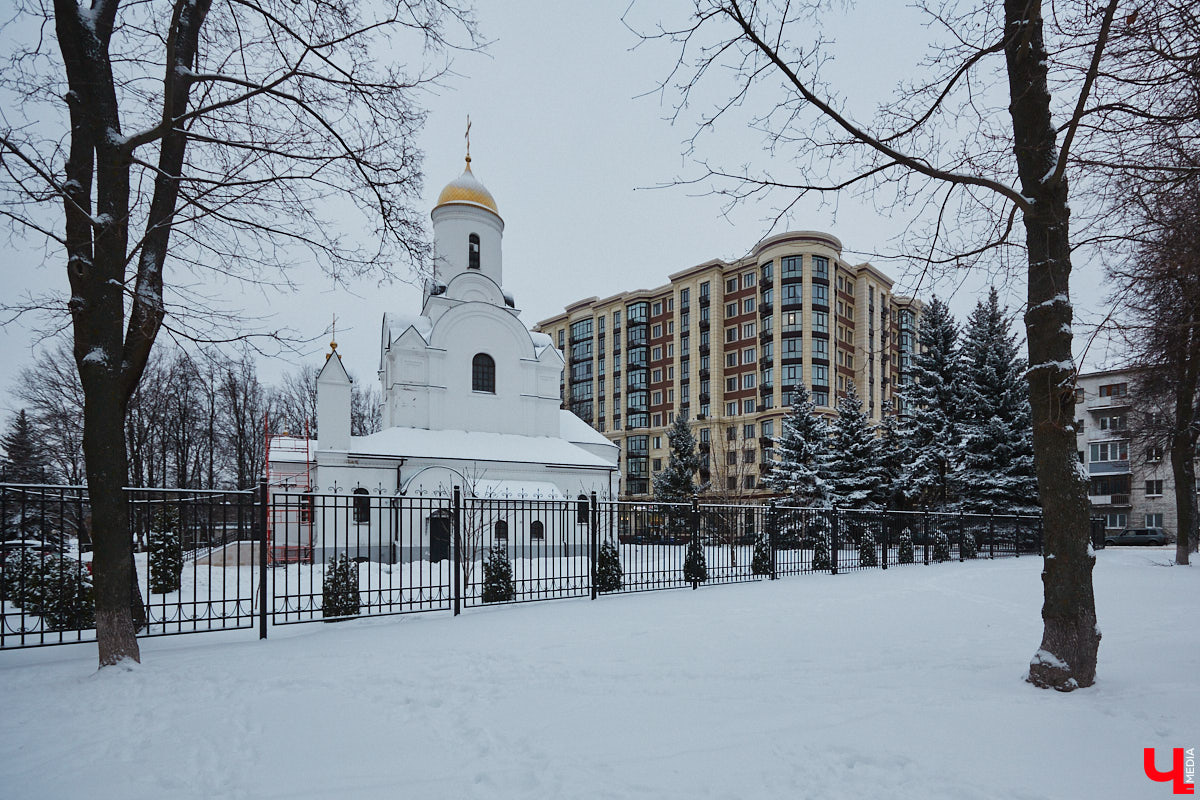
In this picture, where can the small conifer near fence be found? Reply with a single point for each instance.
(608, 568)
(498, 586)
(695, 566)
(867, 557)
(339, 593)
(966, 548)
(760, 562)
(941, 548)
(821, 559)
(166, 551)
(54, 587)
(904, 553)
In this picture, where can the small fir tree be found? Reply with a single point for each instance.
(24, 460)
(498, 585)
(895, 459)
(821, 559)
(695, 566)
(852, 470)
(941, 548)
(867, 557)
(904, 553)
(674, 484)
(801, 450)
(339, 594)
(54, 587)
(760, 562)
(166, 551)
(609, 574)
(966, 547)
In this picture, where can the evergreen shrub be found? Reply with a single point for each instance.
(695, 566)
(339, 594)
(966, 547)
(867, 557)
(498, 586)
(166, 551)
(941, 548)
(905, 550)
(608, 568)
(760, 563)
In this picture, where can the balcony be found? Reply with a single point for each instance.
(704, 349)
(765, 362)
(704, 300)
(766, 336)
(1109, 500)
(1105, 403)
(704, 324)
(704, 446)
(1108, 468)
(705, 373)
(704, 398)
(765, 309)
(766, 442)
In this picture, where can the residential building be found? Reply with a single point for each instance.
(727, 344)
(1129, 483)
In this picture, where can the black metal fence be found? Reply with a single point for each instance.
(227, 560)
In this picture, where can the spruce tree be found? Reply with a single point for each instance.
(995, 457)
(941, 548)
(801, 450)
(904, 553)
(895, 460)
(932, 407)
(166, 550)
(339, 592)
(760, 562)
(695, 565)
(498, 585)
(674, 484)
(852, 470)
(867, 556)
(24, 460)
(609, 574)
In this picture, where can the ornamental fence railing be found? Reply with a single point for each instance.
(217, 560)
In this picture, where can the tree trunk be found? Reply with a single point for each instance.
(1183, 439)
(104, 448)
(1066, 659)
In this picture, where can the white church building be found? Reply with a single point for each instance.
(470, 399)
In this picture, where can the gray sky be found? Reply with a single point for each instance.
(566, 138)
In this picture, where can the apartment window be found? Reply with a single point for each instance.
(748, 431)
(670, 304)
(731, 409)
(766, 272)
(730, 310)
(656, 353)
(820, 348)
(656, 398)
(821, 399)
(790, 294)
(684, 295)
(362, 506)
(820, 267)
(731, 433)
(731, 359)
(747, 406)
(748, 355)
(1115, 520)
(748, 455)
(1113, 423)
(670, 372)
(731, 384)
(670, 327)
(704, 289)
(1109, 451)
(656, 331)
(1154, 520)
(616, 319)
(748, 305)
(748, 329)
(1114, 390)
(731, 285)
(656, 375)
(656, 464)
(820, 375)
(1154, 488)
(821, 321)
(747, 280)
(1154, 452)
(792, 321)
(767, 428)
(731, 334)
(657, 420)
(791, 267)
(748, 380)
(657, 309)
(820, 294)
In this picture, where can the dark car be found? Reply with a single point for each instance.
(1137, 536)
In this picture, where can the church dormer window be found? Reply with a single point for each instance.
(473, 251)
(483, 373)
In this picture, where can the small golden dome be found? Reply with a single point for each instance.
(467, 190)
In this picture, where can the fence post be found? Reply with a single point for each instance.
(593, 542)
(960, 535)
(456, 542)
(885, 526)
(835, 543)
(1017, 535)
(695, 534)
(772, 526)
(991, 532)
(927, 536)
(1041, 536)
(262, 558)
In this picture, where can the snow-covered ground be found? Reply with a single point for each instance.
(897, 684)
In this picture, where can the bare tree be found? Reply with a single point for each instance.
(733, 470)
(994, 131)
(218, 135)
(1160, 290)
(50, 388)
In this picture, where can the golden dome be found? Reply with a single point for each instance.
(467, 190)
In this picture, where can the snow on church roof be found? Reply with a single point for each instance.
(474, 446)
(573, 429)
(396, 324)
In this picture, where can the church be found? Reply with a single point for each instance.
(471, 398)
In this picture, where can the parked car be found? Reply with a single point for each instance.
(11, 547)
(1137, 536)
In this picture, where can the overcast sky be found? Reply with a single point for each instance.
(568, 140)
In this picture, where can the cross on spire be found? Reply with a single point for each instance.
(468, 137)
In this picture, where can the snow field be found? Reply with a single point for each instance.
(897, 684)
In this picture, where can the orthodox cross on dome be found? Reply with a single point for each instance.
(468, 137)
(332, 338)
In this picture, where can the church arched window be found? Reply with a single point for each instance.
(537, 531)
(483, 373)
(500, 531)
(473, 251)
(362, 506)
(581, 510)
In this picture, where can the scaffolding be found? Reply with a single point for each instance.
(289, 471)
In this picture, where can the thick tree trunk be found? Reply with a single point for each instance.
(1183, 438)
(104, 448)
(1066, 659)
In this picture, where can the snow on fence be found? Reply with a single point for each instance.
(221, 560)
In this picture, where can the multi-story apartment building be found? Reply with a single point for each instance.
(727, 343)
(1130, 484)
